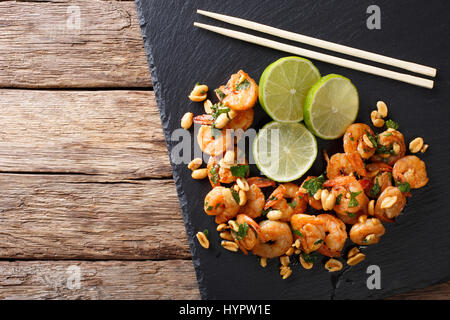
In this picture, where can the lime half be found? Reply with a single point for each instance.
(283, 88)
(331, 106)
(284, 151)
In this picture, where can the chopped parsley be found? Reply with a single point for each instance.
(240, 171)
(216, 133)
(244, 85)
(391, 124)
(388, 134)
(235, 195)
(338, 198)
(273, 198)
(214, 174)
(309, 258)
(297, 233)
(353, 202)
(403, 186)
(293, 204)
(209, 208)
(351, 215)
(313, 185)
(318, 241)
(375, 190)
(265, 212)
(220, 94)
(372, 139)
(242, 231)
(206, 232)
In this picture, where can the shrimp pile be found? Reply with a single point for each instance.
(364, 186)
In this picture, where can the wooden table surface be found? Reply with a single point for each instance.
(84, 171)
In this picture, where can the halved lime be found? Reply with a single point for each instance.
(284, 151)
(283, 87)
(331, 106)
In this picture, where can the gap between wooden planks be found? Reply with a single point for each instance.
(84, 202)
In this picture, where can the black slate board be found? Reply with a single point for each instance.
(415, 251)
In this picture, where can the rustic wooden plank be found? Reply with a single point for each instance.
(41, 45)
(90, 132)
(89, 217)
(437, 292)
(173, 279)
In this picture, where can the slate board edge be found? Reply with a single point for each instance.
(203, 289)
(164, 123)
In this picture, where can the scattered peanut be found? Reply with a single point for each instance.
(382, 109)
(285, 272)
(333, 265)
(306, 265)
(229, 245)
(424, 148)
(318, 194)
(378, 123)
(285, 260)
(356, 259)
(186, 120)
(371, 207)
(370, 239)
(263, 262)
(376, 119)
(233, 225)
(329, 201)
(199, 92)
(208, 106)
(416, 145)
(367, 141)
(242, 198)
(290, 251)
(226, 235)
(195, 164)
(222, 227)
(221, 121)
(274, 215)
(203, 240)
(388, 202)
(199, 174)
(243, 184)
(353, 252)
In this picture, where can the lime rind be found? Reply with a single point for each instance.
(328, 111)
(282, 94)
(286, 157)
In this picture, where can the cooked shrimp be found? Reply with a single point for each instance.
(243, 120)
(277, 239)
(350, 193)
(351, 218)
(367, 231)
(240, 93)
(255, 202)
(384, 180)
(261, 182)
(335, 235)
(253, 231)
(316, 204)
(390, 204)
(412, 170)
(310, 230)
(339, 165)
(391, 147)
(277, 200)
(219, 174)
(356, 147)
(214, 146)
(220, 202)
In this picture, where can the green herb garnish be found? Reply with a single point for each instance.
(206, 232)
(242, 231)
(220, 94)
(309, 258)
(244, 85)
(240, 171)
(318, 241)
(216, 133)
(391, 124)
(403, 186)
(372, 139)
(297, 233)
(273, 198)
(338, 198)
(351, 215)
(265, 212)
(375, 190)
(293, 204)
(209, 208)
(235, 195)
(313, 185)
(353, 202)
(215, 174)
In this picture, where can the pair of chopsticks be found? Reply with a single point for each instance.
(417, 68)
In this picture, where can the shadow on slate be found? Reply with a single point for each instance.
(414, 253)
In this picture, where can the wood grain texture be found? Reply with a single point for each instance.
(43, 47)
(89, 217)
(98, 132)
(172, 279)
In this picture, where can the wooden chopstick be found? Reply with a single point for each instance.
(414, 67)
(421, 82)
